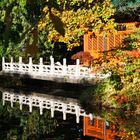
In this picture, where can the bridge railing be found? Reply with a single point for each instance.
(53, 68)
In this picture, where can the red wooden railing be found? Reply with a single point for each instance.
(99, 43)
(97, 128)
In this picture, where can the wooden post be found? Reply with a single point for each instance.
(84, 125)
(105, 47)
(104, 125)
(86, 42)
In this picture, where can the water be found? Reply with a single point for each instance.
(16, 124)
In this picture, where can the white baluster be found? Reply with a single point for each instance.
(77, 73)
(30, 65)
(20, 64)
(41, 65)
(20, 101)
(64, 72)
(30, 104)
(91, 116)
(77, 110)
(41, 107)
(11, 64)
(52, 109)
(3, 98)
(64, 111)
(51, 57)
(52, 65)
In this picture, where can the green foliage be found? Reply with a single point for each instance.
(133, 40)
(12, 26)
(127, 10)
(122, 3)
(68, 21)
(21, 124)
(37, 125)
(54, 21)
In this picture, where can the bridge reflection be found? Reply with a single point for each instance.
(43, 101)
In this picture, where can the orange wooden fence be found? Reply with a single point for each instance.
(99, 44)
(97, 128)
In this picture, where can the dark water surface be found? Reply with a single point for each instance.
(65, 130)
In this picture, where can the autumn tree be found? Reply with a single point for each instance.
(37, 25)
(68, 21)
(116, 99)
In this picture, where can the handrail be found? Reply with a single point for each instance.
(53, 70)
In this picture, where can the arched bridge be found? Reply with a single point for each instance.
(54, 71)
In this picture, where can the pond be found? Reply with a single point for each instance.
(34, 109)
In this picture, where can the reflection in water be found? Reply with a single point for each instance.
(43, 101)
(50, 98)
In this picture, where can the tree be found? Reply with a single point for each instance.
(68, 21)
(35, 25)
(18, 24)
(123, 3)
(12, 25)
(127, 10)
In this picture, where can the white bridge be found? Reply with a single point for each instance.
(55, 71)
(53, 104)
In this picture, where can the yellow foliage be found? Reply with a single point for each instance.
(68, 25)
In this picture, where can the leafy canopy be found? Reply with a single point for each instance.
(37, 25)
(68, 21)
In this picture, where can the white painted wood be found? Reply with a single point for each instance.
(53, 70)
